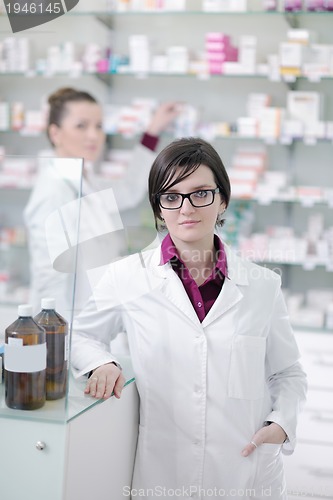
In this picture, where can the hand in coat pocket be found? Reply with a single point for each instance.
(270, 434)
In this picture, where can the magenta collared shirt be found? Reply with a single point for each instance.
(202, 297)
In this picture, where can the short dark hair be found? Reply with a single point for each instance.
(188, 153)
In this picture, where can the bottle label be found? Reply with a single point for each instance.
(25, 358)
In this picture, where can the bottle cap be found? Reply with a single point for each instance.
(24, 310)
(48, 303)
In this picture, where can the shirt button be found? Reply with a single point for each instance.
(199, 304)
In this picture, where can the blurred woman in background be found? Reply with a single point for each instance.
(75, 130)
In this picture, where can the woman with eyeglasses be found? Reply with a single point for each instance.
(213, 353)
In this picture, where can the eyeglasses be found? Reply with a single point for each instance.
(198, 199)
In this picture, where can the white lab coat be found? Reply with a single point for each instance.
(99, 217)
(205, 388)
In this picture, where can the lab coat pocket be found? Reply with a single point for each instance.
(247, 367)
(269, 478)
(272, 449)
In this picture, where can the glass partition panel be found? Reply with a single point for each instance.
(56, 238)
(39, 227)
(39, 223)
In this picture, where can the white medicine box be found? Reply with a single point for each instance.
(304, 106)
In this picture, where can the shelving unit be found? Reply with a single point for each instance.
(220, 98)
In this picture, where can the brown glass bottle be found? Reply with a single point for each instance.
(56, 328)
(25, 362)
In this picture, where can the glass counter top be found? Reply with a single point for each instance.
(62, 411)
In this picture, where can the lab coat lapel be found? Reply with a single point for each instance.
(231, 292)
(174, 291)
(172, 287)
(229, 296)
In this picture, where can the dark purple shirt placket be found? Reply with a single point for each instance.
(202, 297)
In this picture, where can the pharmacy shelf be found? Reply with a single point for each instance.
(34, 74)
(292, 18)
(185, 12)
(204, 76)
(25, 133)
(9, 247)
(275, 141)
(312, 329)
(143, 75)
(308, 202)
(11, 303)
(17, 188)
(270, 141)
(207, 76)
(307, 265)
(280, 146)
(197, 12)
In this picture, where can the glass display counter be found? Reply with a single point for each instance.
(57, 451)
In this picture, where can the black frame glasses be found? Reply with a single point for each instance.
(189, 197)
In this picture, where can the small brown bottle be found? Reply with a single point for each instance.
(56, 328)
(25, 362)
